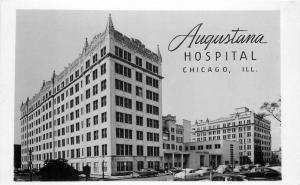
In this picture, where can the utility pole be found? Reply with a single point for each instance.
(30, 154)
(102, 166)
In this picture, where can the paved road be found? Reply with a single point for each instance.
(158, 178)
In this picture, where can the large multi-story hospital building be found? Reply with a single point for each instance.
(103, 110)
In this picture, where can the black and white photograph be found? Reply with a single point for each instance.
(148, 95)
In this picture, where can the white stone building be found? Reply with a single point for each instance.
(104, 109)
(249, 129)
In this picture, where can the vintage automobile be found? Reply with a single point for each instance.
(175, 170)
(228, 177)
(192, 175)
(183, 173)
(204, 171)
(237, 169)
(223, 169)
(148, 172)
(262, 173)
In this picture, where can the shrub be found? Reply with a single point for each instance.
(58, 170)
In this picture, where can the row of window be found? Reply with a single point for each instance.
(122, 53)
(126, 150)
(71, 78)
(201, 147)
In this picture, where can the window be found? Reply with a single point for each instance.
(123, 117)
(71, 91)
(138, 76)
(95, 119)
(96, 167)
(87, 64)
(104, 149)
(151, 109)
(95, 105)
(95, 58)
(127, 56)
(76, 73)
(119, 52)
(140, 165)
(139, 135)
(88, 151)
(124, 150)
(139, 91)
(95, 89)
(152, 96)
(95, 74)
(139, 106)
(96, 150)
(152, 123)
(123, 86)
(87, 79)
(139, 120)
(103, 85)
(139, 150)
(123, 133)
(104, 133)
(208, 147)
(138, 61)
(88, 108)
(103, 68)
(152, 82)
(152, 136)
(103, 101)
(217, 146)
(87, 93)
(148, 66)
(88, 136)
(103, 51)
(152, 151)
(125, 166)
(122, 70)
(96, 134)
(103, 117)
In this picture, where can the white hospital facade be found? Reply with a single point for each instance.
(105, 110)
(102, 109)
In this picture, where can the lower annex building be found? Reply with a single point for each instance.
(248, 128)
(181, 152)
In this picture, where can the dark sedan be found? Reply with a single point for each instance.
(228, 177)
(263, 173)
(147, 173)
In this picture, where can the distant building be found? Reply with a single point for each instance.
(180, 152)
(276, 156)
(17, 156)
(248, 128)
(212, 153)
(174, 137)
(103, 110)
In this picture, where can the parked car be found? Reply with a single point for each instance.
(223, 169)
(228, 177)
(148, 172)
(192, 175)
(248, 167)
(183, 173)
(175, 170)
(263, 173)
(204, 171)
(237, 169)
(22, 172)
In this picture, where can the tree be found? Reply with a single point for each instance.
(273, 109)
(58, 170)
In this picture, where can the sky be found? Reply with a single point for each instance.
(48, 40)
